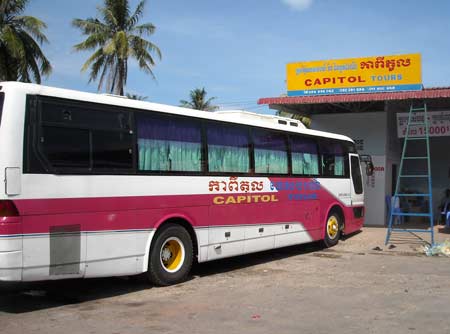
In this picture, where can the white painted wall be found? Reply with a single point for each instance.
(369, 130)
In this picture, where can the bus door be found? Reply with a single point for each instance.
(356, 187)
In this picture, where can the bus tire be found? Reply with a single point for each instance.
(171, 256)
(332, 229)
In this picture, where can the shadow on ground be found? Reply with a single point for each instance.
(249, 260)
(28, 297)
(444, 230)
(407, 238)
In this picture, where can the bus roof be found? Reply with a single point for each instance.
(230, 116)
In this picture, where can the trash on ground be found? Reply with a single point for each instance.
(441, 249)
(377, 249)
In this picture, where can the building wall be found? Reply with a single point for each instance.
(440, 162)
(369, 131)
(375, 133)
(440, 169)
(393, 148)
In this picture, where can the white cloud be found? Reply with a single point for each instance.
(299, 5)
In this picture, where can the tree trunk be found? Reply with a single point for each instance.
(122, 79)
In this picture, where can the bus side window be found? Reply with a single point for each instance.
(65, 147)
(112, 150)
(271, 155)
(356, 175)
(305, 158)
(168, 143)
(82, 138)
(228, 148)
(334, 159)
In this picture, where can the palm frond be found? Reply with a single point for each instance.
(33, 27)
(134, 18)
(108, 17)
(12, 42)
(92, 42)
(36, 58)
(144, 29)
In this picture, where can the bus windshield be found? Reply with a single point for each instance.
(2, 99)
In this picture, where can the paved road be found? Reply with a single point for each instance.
(294, 290)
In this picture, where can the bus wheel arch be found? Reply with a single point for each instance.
(334, 226)
(172, 252)
(184, 222)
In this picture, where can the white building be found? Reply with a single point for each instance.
(371, 120)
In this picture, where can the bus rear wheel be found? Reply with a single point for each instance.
(171, 256)
(332, 229)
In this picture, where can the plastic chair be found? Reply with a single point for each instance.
(446, 213)
(396, 220)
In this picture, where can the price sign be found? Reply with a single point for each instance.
(438, 124)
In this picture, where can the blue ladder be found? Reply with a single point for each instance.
(426, 175)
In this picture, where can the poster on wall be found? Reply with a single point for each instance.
(438, 124)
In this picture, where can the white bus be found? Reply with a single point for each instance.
(97, 185)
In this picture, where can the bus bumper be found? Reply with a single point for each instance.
(11, 266)
(11, 245)
(355, 219)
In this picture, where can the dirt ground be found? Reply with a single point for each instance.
(354, 287)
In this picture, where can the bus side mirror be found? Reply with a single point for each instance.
(367, 159)
(369, 168)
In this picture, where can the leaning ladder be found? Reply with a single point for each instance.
(427, 175)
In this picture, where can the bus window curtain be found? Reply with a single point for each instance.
(305, 163)
(270, 161)
(228, 159)
(305, 159)
(160, 155)
(338, 165)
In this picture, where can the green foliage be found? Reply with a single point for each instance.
(115, 38)
(136, 97)
(198, 101)
(21, 58)
(304, 119)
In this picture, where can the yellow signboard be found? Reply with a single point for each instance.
(355, 75)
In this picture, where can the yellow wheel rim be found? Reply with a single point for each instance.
(332, 227)
(172, 254)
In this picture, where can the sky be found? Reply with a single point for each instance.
(238, 49)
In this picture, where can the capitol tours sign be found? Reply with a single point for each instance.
(355, 75)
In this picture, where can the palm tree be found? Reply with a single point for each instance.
(136, 97)
(198, 101)
(116, 37)
(21, 58)
(304, 119)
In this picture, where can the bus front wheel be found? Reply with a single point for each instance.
(171, 256)
(332, 229)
